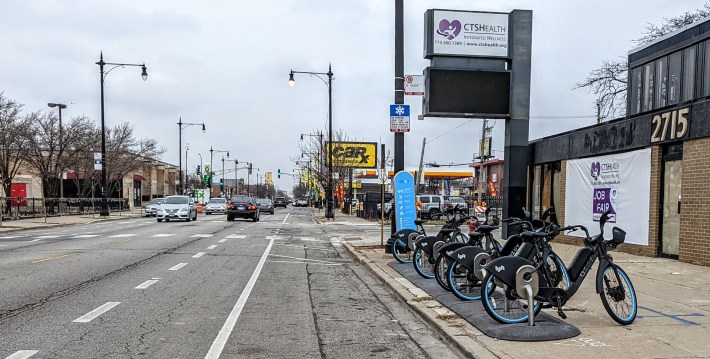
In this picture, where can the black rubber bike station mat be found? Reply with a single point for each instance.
(546, 326)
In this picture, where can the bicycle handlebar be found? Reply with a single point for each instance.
(574, 228)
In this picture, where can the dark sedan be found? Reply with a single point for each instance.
(243, 207)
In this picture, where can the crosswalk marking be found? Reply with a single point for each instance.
(160, 235)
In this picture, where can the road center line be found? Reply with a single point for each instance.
(178, 266)
(198, 255)
(147, 284)
(223, 240)
(284, 221)
(23, 354)
(223, 336)
(49, 259)
(212, 246)
(96, 312)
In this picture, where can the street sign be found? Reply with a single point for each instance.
(414, 85)
(399, 118)
(98, 162)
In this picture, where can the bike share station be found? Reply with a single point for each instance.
(480, 68)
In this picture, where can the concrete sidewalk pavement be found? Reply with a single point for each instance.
(58, 221)
(672, 320)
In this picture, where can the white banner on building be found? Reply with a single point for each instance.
(621, 183)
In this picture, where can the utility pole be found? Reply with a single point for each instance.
(420, 174)
(398, 86)
(484, 154)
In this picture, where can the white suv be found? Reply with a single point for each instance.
(432, 205)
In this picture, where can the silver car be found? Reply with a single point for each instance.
(265, 205)
(151, 209)
(177, 207)
(216, 205)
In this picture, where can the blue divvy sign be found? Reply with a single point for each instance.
(404, 200)
(399, 110)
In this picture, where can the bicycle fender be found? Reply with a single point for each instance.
(448, 249)
(427, 244)
(466, 255)
(505, 268)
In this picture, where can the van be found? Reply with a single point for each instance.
(432, 205)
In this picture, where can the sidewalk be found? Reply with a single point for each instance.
(42, 222)
(672, 320)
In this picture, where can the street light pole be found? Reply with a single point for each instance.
(144, 74)
(236, 178)
(60, 106)
(329, 188)
(187, 172)
(182, 126)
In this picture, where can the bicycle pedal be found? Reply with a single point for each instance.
(561, 313)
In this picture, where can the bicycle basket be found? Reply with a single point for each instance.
(618, 236)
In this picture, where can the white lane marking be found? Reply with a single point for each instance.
(216, 221)
(9, 237)
(212, 246)
(237, 236)
(86, 236)
(223, 336)
(46, 237)
(3, 245)
(23, 354)
(123, 235)
(309, 239)
(274, 237)
(284, 221)
(147, 284)
(223, 240)
(303, 247)
(128, 222)
(241, 229)
(198, 255)
(178, 266)
(299, 262)
(302, 259)
(159, 235)
(202, 236)
(96, 312)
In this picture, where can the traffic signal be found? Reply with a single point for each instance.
(199, 172)
(250, 169)
(279, 172)
(207, 179)
(221, 184)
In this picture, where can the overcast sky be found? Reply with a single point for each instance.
(226, 63)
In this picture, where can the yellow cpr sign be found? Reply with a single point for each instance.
(353, 154)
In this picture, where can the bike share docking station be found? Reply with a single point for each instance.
(527, 283)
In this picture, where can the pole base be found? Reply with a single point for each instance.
(104, 213)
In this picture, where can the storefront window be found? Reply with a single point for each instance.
(547, 188)
(689, 73)
(706, 70)
(648, 87)
(556, 190)
(661, 82)
(636, 90)
(536, 193)
(674, 66)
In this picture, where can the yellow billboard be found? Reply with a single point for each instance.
(353, 154)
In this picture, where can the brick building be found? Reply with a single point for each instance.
(668, 122)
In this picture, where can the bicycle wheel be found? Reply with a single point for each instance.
(560, 277)
(422, 263)
(497, 304)
(618, 296)
(463, 283)
(441, 271)
(401, 251)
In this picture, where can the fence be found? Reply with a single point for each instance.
(30, 207)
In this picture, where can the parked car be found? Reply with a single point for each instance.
(177, 207)
(265, 205)
(216, 205)
(243, 207)
(453, 202)
(432, 205)
(388, 208)
(151, 209)
(280, 202)
(301, 202)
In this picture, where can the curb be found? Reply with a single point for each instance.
(462, 340)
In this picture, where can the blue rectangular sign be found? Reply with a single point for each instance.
(404, 201)
(399, 110)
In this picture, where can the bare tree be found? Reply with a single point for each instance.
(125, 153)
(13, 138)
(609, 81)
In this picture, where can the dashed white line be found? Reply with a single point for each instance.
(123, 235)
(284, 221)
(23, 354)
(178, 266)
(85, 236)
(198, 255)
(221, 340)
(147, 283)
(9, 237)
(96, 312)
(202, 235)
(45, 237)
(159, 235)
(236, 236)
(212, 246)
(223, 240)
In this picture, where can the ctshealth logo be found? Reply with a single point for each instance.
(449, 30)
(596, 170)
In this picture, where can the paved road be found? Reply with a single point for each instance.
(135, 288)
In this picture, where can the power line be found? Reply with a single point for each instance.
(437, 137)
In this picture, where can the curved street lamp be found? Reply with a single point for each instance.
(144, 74)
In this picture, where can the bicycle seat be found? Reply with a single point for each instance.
(419, 222)
(530, 234)
(475, 236)
(485, 228)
